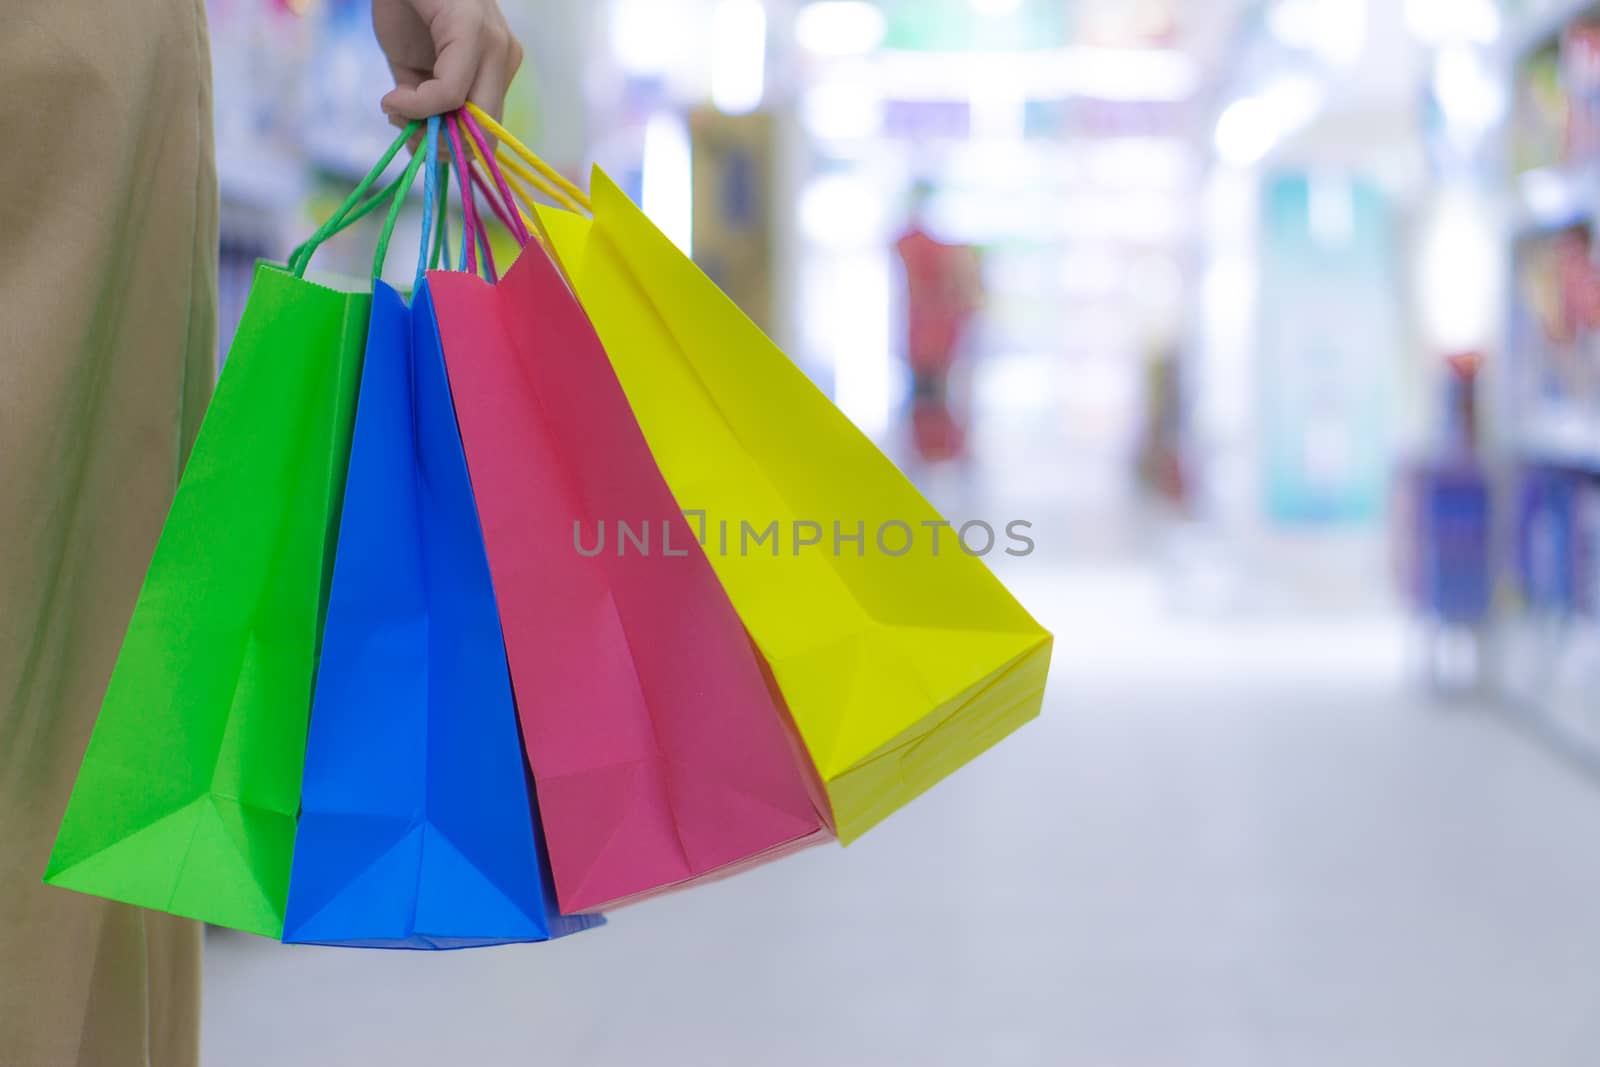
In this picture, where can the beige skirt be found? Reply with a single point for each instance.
(108, 243)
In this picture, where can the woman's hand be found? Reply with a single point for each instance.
(444, 53)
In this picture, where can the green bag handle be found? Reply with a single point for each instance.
(407, 180)
(349, 213)
(300, 258)
(353, 210)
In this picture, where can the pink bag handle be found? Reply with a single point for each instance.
(485, 247)
(517, 228)
(474, 231)
(508, 201)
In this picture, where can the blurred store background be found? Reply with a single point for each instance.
(1279, 320)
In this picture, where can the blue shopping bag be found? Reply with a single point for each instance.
(417, 828)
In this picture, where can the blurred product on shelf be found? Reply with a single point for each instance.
(734, 220)
(1556, 122)
(1548, 541)
(1580, 75)
(1555, 328)
(1540, 125)
(1588, 567)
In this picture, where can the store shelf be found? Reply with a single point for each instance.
(259, 191)
(1544, 27)
(1562, 436)
(1554, 198)
(260, 178)
(1547, 666)
(1546, 652)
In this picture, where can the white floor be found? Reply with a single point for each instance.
(1227, 843)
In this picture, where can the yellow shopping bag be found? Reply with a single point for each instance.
(900, 655)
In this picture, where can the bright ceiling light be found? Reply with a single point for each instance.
(840, 27)
(1246, 131)
(667, 193)
(739, 57)
(1131, 74)
(1252, 125)
(646, 36)
(1459, 274)
(1294, 22)
(1336, 30)
(1134, 74)
(1469, 90)
(1441, 21)
(843, 108)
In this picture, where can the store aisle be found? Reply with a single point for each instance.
(1227, 844)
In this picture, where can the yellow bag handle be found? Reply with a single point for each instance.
(515, 174)
(542, 176)
(517, 171)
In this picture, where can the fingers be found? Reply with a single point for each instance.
(453, 72)
(400, 122)
(475, 58)
(494, 78)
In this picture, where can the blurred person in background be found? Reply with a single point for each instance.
(943, 294)
(1159, 460)
(108, 227)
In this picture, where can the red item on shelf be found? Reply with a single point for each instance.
(1580, 77)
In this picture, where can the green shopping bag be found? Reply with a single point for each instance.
(187, 797)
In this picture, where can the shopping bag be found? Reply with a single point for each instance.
(187, 795)
(900, 655)
(660, 753)
(415, 824)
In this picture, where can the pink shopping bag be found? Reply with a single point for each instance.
(661, 751)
